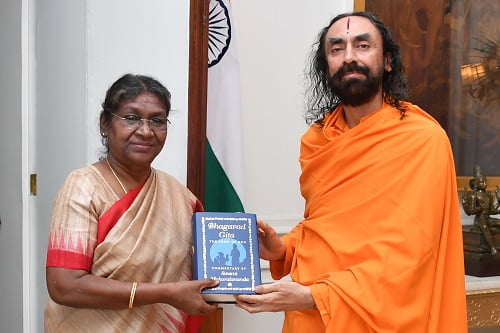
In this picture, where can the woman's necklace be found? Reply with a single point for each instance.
(114, 174)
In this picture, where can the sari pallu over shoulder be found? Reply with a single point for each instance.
(143, 237)
(109, 219)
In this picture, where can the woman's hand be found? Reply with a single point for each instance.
(186, 296)
(276, 297)
(78, 288)
(271, 247)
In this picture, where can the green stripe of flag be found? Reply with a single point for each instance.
(220, 195)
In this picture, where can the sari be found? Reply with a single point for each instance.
(380, 245)
(145, 236)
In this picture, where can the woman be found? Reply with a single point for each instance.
(119, 255)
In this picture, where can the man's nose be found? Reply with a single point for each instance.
(349, 54)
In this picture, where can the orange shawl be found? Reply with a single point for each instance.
(380, 245)
(145, 236)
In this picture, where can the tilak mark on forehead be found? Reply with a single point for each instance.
(348, 21)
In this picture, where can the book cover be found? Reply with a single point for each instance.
(226, 249)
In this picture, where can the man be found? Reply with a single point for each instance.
(380, 248)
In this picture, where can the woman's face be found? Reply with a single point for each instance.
(135, 147)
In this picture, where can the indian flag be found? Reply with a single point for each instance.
(224, 157)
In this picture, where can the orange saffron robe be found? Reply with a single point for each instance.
(380, 245)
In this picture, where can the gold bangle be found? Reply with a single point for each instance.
(132, 295)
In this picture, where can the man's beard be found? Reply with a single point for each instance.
(355, 91)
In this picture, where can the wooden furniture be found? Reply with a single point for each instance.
(483, 301)
(213, 323)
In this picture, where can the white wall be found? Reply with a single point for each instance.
(11, 200)
(274, 39)
(152, 38)
(58, 137)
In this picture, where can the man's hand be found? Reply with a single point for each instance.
(276, 297)
(270, 245)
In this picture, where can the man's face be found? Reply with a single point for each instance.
(354, 52)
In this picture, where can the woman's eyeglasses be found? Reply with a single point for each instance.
(133, 122)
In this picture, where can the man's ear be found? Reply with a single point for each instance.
(387, 62)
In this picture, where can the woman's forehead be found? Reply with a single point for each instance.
(145, 100)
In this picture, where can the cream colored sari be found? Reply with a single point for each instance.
(144, 236)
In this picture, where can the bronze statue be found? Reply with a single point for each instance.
(483, 204)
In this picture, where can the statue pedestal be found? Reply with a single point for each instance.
(477, 255)
(481, 264)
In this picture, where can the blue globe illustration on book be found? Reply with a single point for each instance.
(227, 252)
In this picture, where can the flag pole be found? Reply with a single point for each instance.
(197, 96)
(197, 119)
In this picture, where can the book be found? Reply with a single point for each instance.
(226, 248)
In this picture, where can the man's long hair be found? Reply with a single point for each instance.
(320, 97)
